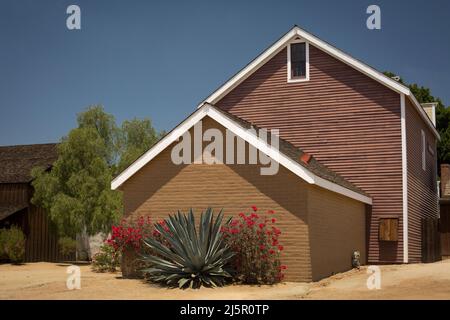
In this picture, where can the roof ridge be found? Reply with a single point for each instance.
(29, 145)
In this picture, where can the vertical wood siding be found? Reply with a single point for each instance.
(422, 184)
(348, 121)
(42, 239)
(14, 193)
(41, 236)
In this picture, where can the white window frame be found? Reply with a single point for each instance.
(289, 78)
(424, 150)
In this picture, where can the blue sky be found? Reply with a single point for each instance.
(160, 59)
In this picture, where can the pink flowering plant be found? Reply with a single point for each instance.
(254, 238)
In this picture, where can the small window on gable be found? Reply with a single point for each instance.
(298, 62)
(424, 153)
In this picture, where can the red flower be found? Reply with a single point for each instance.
(280, 247)
(270, 211)
(234, 231)
(276, 230)
(274, 220)
(283, 267)
(254, 216)
(254, 208)
(271, 251)
(262, 225)
(262, 247)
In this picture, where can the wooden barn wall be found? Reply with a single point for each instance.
(348, 121)
(14, 193)
(42, 239)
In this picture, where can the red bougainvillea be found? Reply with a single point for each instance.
(129, 234)
(255, 239)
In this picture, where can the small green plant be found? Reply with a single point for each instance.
(186, 258)
(67, 246)
(12, 244)
(106, 260)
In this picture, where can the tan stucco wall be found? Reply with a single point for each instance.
(337, 227)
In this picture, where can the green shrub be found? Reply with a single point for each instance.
(186, 258)
(106, 260)
(67, 246)
(12, 244)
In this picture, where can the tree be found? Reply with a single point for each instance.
(95, 117)
(76, 192)
(137, 136)
(424, 95)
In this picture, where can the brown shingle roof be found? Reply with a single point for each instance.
(16, 162)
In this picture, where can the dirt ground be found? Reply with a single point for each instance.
(48, 281)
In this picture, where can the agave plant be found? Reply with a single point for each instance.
(188, 258)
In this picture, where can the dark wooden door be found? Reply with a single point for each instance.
(444, 229)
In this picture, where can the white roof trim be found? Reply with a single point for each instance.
(338, 54)
(207, 110)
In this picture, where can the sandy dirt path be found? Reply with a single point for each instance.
(48, 281)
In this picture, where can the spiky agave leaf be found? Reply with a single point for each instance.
(192, 258)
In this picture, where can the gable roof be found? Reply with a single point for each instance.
(296, 32)
(287, 155)
(16, 162)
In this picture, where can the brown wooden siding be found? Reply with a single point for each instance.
(42, 239)
(41, 236)
(422, 185)
(444, 228)
(14, 193)
(161, 188)
(348, 121)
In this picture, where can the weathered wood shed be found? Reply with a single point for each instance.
(16, 163)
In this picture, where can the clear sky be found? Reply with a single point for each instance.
(159, 59)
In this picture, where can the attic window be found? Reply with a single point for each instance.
(298, 61)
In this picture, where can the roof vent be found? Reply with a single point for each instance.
(396, 78)
(305, 158)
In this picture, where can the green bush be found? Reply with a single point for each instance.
(106, 260)
(67, 246)
(12, 244)
(186, 258)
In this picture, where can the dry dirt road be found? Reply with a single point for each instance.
(48, 281)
